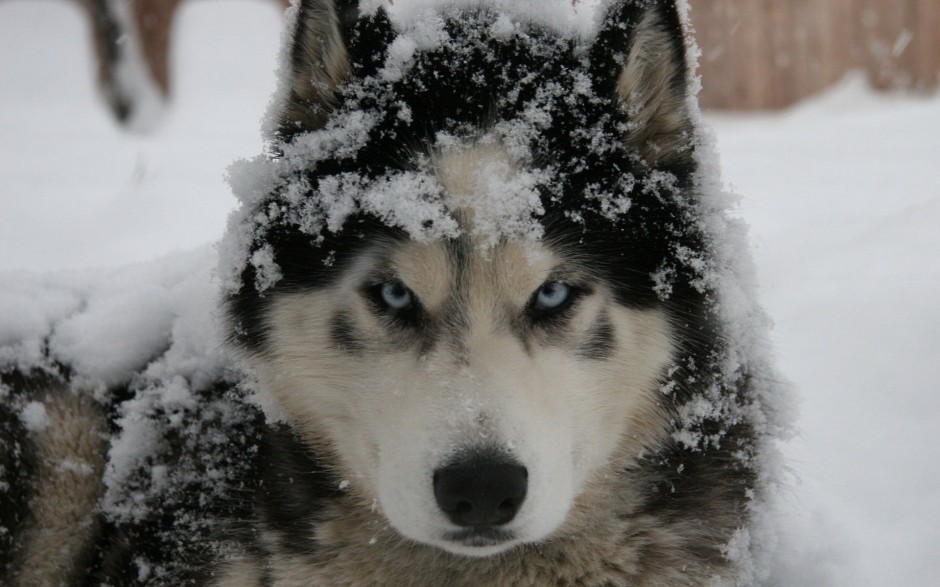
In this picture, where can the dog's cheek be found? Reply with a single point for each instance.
(632, 378)
(311, 374)
(609, 402)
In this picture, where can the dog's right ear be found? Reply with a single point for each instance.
(639, 56)
(322, 58)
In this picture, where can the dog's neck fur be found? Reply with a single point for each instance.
(609, 539)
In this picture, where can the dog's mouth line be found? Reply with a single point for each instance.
(480, 537)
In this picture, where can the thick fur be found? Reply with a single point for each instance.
(385, 362)
(376, 404)
(59, 455)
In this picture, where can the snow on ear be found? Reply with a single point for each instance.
(639, 56)
(319, 63)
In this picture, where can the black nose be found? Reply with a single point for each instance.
(480, 494)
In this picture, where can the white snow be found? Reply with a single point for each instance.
(108, 324)
(841, 195)
(34, 417)
(844, 203)
(77, 191)
(561, 15)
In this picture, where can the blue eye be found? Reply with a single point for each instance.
(552, 295)
(396, 296)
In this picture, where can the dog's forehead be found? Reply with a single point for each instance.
(509, 267)
(480, 183)
(464, 171)
(465, 267)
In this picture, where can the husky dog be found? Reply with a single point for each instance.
(478, 302)
(479, 294)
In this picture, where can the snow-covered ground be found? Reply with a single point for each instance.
(77, 190)
(842, 195)
(843, 198)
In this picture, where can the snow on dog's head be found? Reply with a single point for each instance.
(473, 269)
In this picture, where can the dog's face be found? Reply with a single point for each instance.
(473, 386)
(471, 390)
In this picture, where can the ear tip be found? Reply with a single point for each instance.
(622, 13)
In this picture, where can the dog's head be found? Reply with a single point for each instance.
(461, 288)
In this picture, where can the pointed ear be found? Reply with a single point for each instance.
(319, 63)
(639, 58)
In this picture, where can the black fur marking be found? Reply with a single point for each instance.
(294, 492)
(348, 13)
(305, 264)
(344, 335)
(419, 334)
(499, 79)
(599, 344)
(368, 42)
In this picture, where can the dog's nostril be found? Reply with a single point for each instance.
(481, 494)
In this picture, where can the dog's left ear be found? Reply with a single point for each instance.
(639, 58)
(330, 43)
